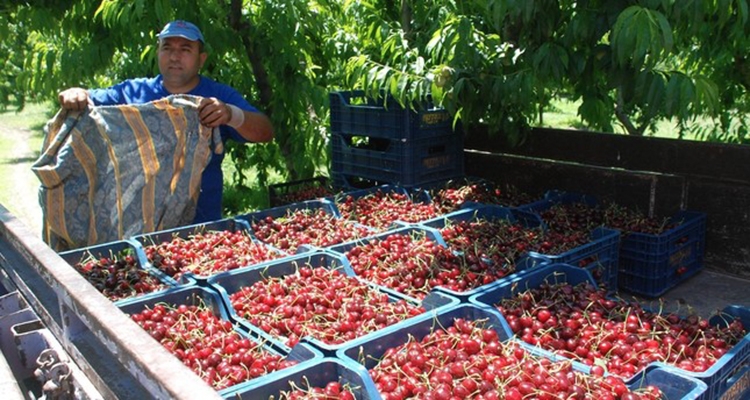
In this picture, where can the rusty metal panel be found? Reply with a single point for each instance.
(121, 360)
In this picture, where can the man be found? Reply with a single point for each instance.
(181, 56)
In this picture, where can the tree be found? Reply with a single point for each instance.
(491, 62)
(629, 62)
(282, 55)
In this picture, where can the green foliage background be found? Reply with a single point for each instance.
(627, 64)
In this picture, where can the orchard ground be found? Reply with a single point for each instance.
(21, 137)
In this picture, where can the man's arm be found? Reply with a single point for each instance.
(253, 126)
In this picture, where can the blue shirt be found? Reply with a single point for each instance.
(144, 90)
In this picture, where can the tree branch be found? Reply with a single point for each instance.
(624, 119)
(256, 63)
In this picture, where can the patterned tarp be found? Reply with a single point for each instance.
(112, 172)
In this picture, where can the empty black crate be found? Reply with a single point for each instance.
(356, 114)
(395, 161)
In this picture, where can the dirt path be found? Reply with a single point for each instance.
(25, 203)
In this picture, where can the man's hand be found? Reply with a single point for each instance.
(253, 126)
(74, 99)
(213, 112)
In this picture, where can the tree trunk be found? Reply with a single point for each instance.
(261, 78)
(624, 119)
(259, 71)
(406, 18)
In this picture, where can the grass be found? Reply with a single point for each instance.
(21, 135)
(31, 118)
(563, 114)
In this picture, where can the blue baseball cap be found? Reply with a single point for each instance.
(182, 29)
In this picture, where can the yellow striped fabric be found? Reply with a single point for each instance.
(113, 172)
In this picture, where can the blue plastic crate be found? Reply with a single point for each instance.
(315, 375)
(691, 228)
(185, 233)
(600, 256)
(415, 231)
(717, 378)
(691, 225)
(652, 277)
(415, 196)
(672, 384)
(312, 206)
(188, 295)
(368, 352)
(648, 263)
(433, 235)
(195, 295)
(530, 279)
(738, 386)
(730, 369)
(659, 265)
(397, 162)
(112, 250)
(354, 113)
(281, 194)
(231, 282)
(493, 212)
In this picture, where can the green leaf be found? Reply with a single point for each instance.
(708, 93)
(672, 98)
(666, 32)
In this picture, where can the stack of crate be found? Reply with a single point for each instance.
(377, 141)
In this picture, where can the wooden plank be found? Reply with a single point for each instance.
(654, 193)
(727, 223)
(724, 202)
(684, 157)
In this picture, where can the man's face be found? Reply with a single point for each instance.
(179, 62)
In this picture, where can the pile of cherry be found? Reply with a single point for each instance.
(332, 391)
(468, 360)
(208, 344)
(579, 216)
(305, 226)
(380, 209)
(309, 192)
(499, 240)
(454, 194)
(617, 339)
(479, 252)
(319, 302)
(414, 264)
(119, 276)
(611, 334)
(208, 253)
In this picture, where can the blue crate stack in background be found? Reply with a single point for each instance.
(377, 141)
